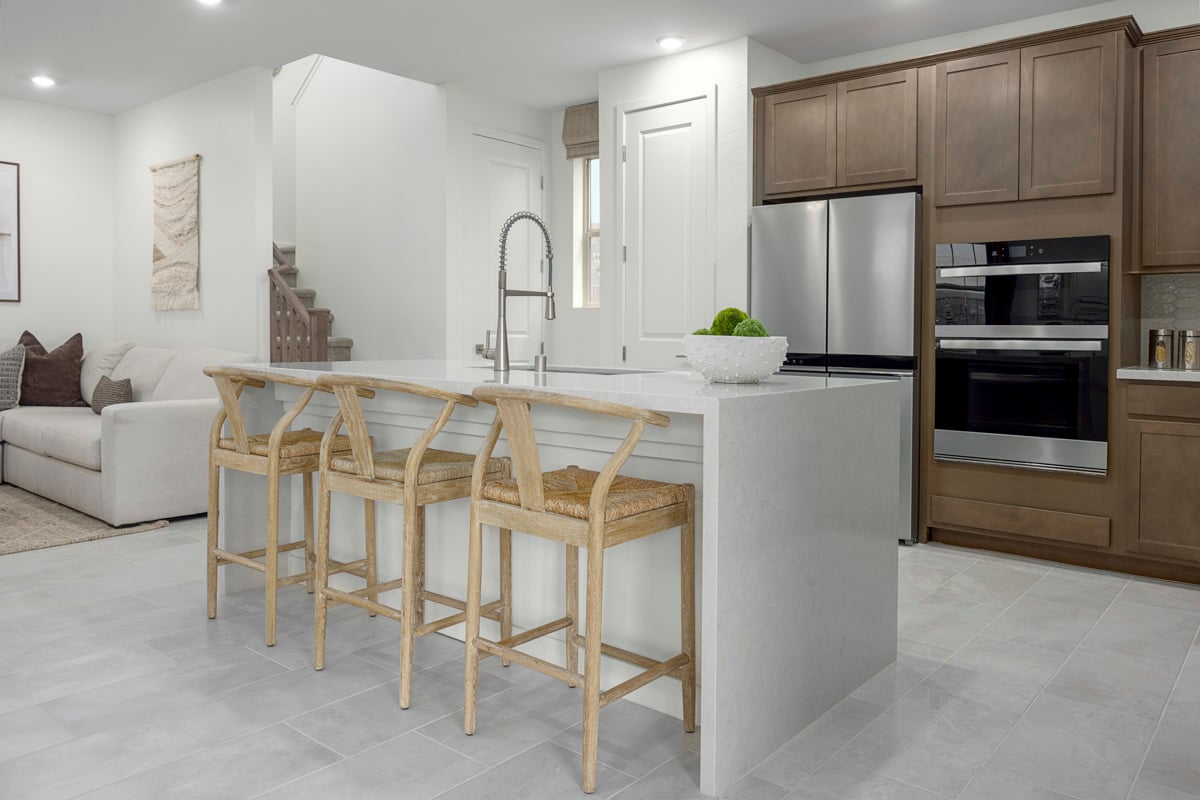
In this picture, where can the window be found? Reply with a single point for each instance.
(591, 233)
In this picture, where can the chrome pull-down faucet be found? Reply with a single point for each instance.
(501, 364)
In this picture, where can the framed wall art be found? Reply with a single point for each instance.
(10, 232)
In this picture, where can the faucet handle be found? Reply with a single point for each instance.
(487, 340)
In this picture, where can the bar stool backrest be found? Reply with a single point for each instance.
(514, 416)
(230, 381)
(349, 388)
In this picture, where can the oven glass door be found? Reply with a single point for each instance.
(981, 297)
(1024, 389)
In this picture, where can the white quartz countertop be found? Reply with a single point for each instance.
(1148, 374)
(684, 392)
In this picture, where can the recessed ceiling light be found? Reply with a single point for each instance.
(43, 81)
(671, 42)
(209, 2)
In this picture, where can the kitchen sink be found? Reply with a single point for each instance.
(576, 370)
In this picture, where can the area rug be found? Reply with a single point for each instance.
(175, 275)
(30, 522)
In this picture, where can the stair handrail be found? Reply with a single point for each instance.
(298, 333)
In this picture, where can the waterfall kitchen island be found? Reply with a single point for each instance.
(796, 483)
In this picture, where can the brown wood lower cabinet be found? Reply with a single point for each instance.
(1162, 488)
(1056, 526)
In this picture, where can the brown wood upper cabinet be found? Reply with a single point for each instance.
(1171, 153)
(799, 149)
(1026, 124)
(840, 134)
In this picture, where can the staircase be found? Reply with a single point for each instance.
(299, 330)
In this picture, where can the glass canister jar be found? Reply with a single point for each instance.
(1187, 349)
(1162, 348)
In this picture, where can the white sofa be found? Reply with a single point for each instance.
(134, 461)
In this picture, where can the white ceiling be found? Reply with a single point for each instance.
(112, 55)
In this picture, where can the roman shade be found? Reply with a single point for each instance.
(581, 131)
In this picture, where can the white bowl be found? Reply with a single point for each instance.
(735, 359)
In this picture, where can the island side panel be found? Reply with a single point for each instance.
(799, 576)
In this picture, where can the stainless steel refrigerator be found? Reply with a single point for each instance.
(840, 279)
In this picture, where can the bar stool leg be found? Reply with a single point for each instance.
(408, 602)
(214, 506)
(419, 580)
(309, 553)
(372, 570)
(687, 586)
(474, 588)
(322, 578)
(272, 554)
(505, 587)
(572, 609)
(591, 659)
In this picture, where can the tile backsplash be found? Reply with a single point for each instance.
(1169, 301)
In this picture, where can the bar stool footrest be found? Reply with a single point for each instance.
(659, 670)
(490, 648)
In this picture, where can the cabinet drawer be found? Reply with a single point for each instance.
(1057, 526)
(1155, 400)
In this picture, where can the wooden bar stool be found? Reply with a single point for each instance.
(582, 509)
(279, 453)
(414, 477)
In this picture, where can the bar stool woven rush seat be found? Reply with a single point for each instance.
(582, 509)
(279, 453)
(414, 477)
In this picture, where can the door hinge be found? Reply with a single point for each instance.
(624, 253)
(622, 353)
(542, 183)
(624, 153)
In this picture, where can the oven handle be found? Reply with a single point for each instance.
(982, 271)
(1091, 346)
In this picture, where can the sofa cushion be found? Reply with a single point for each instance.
(184, 377)
(12, 365)
(67, 434)
(144, 366)
(51, 378)
(110, 393)
(100, 360)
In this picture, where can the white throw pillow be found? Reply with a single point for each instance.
(100, 360)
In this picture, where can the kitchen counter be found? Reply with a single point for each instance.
(796, 482)
(1148, 374)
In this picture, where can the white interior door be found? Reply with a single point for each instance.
(666, 194)
(507, 178)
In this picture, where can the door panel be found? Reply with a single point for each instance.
(788, 270)
(508, 178)
(666, 230)
(1069, 117)
(877, 129)
(799, 140)
(872, 265)
(1170, 153)
(978, 131)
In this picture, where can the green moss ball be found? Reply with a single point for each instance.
(750, 327)
(702, 332)
(726, 320)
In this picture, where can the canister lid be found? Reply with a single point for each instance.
(1166, 332)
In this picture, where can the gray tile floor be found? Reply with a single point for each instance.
(1016, 679)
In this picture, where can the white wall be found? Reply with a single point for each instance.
(370, 208)
(228, 122)
(469, 112)
(594, 337)
(66, 160)
(285, 94)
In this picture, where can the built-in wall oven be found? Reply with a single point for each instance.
(1022, 355)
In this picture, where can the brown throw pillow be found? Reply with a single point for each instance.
(109, 393)
(51, 379)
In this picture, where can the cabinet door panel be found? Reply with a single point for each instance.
(800, 130)
(1069, 117)
(1171, 153)
(877, 129)
(977, 132)
(1165, 458)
